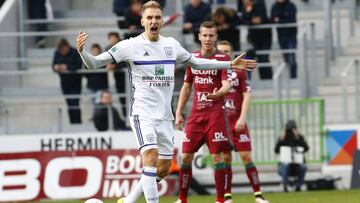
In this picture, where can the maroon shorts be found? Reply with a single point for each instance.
(209, 129)
(241, 140)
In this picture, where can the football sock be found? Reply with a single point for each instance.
(253, 176)
(136, 193)
(228, 181)
(220, 181)
(149, 184)
(185, 176)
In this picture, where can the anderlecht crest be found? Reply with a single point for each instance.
(168, 52)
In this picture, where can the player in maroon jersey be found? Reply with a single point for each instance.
(206, 122)
(236, 105)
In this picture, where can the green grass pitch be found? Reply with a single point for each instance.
(334, 196)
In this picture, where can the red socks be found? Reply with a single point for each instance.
(253, 176)
(185, 176)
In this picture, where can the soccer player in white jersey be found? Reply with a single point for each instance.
(152, 60)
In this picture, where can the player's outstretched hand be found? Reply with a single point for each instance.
(241, 63)
(215, 95)
(80, 41)
(179, 122)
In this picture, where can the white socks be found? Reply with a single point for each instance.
(136, 193)
(149, 184)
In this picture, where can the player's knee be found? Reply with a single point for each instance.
(187, 158)
(246, 157)
(150, 157)
(217, 158)
(163, 172)
(227, 158)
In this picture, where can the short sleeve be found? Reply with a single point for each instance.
(244, 84)
(226, 74)
(188, 75)
(120, 51)
(182, 55)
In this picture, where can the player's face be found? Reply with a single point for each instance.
(152, 21)
(226, 49)
(207, 37)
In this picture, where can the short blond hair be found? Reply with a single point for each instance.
(151, 4)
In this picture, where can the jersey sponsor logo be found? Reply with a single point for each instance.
(159, 70)
(186, 139)
(203, 72)
(244, 138)
(248, 86)
(201, 97)
(201, 80)
(219, 137)
(146, 54)
(168, 52)
(230, 104)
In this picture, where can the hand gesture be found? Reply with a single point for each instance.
(240, 125)
(80, 41)
(214, 95)
(179, 121)
(241, 63)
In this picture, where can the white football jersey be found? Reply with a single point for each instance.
(151, 71)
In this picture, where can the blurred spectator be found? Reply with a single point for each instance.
(119, 74)
(195, 13)
(217, 1)
(240, 5)
(254, 14)
(293, 145)
(133, 19)
(66, 62)
(37, 10)
(161, 2)
(119, 7)
(97, 81)
(284, 11)
(226, 21)
(101, 113)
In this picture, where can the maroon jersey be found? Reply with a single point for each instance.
(234, 99)
(204, 82)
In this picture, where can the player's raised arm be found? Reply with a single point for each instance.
(206, 64)
(91, 62)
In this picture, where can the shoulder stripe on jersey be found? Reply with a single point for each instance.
(112, 56)
(155, 62)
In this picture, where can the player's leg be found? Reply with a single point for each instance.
(148, 176)
(185, 176)
(192, 141)
(244, 148)
(218, 141)
(164, 132)
(147, 140)
(219, 176)
(228, 176)
(163, 166)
